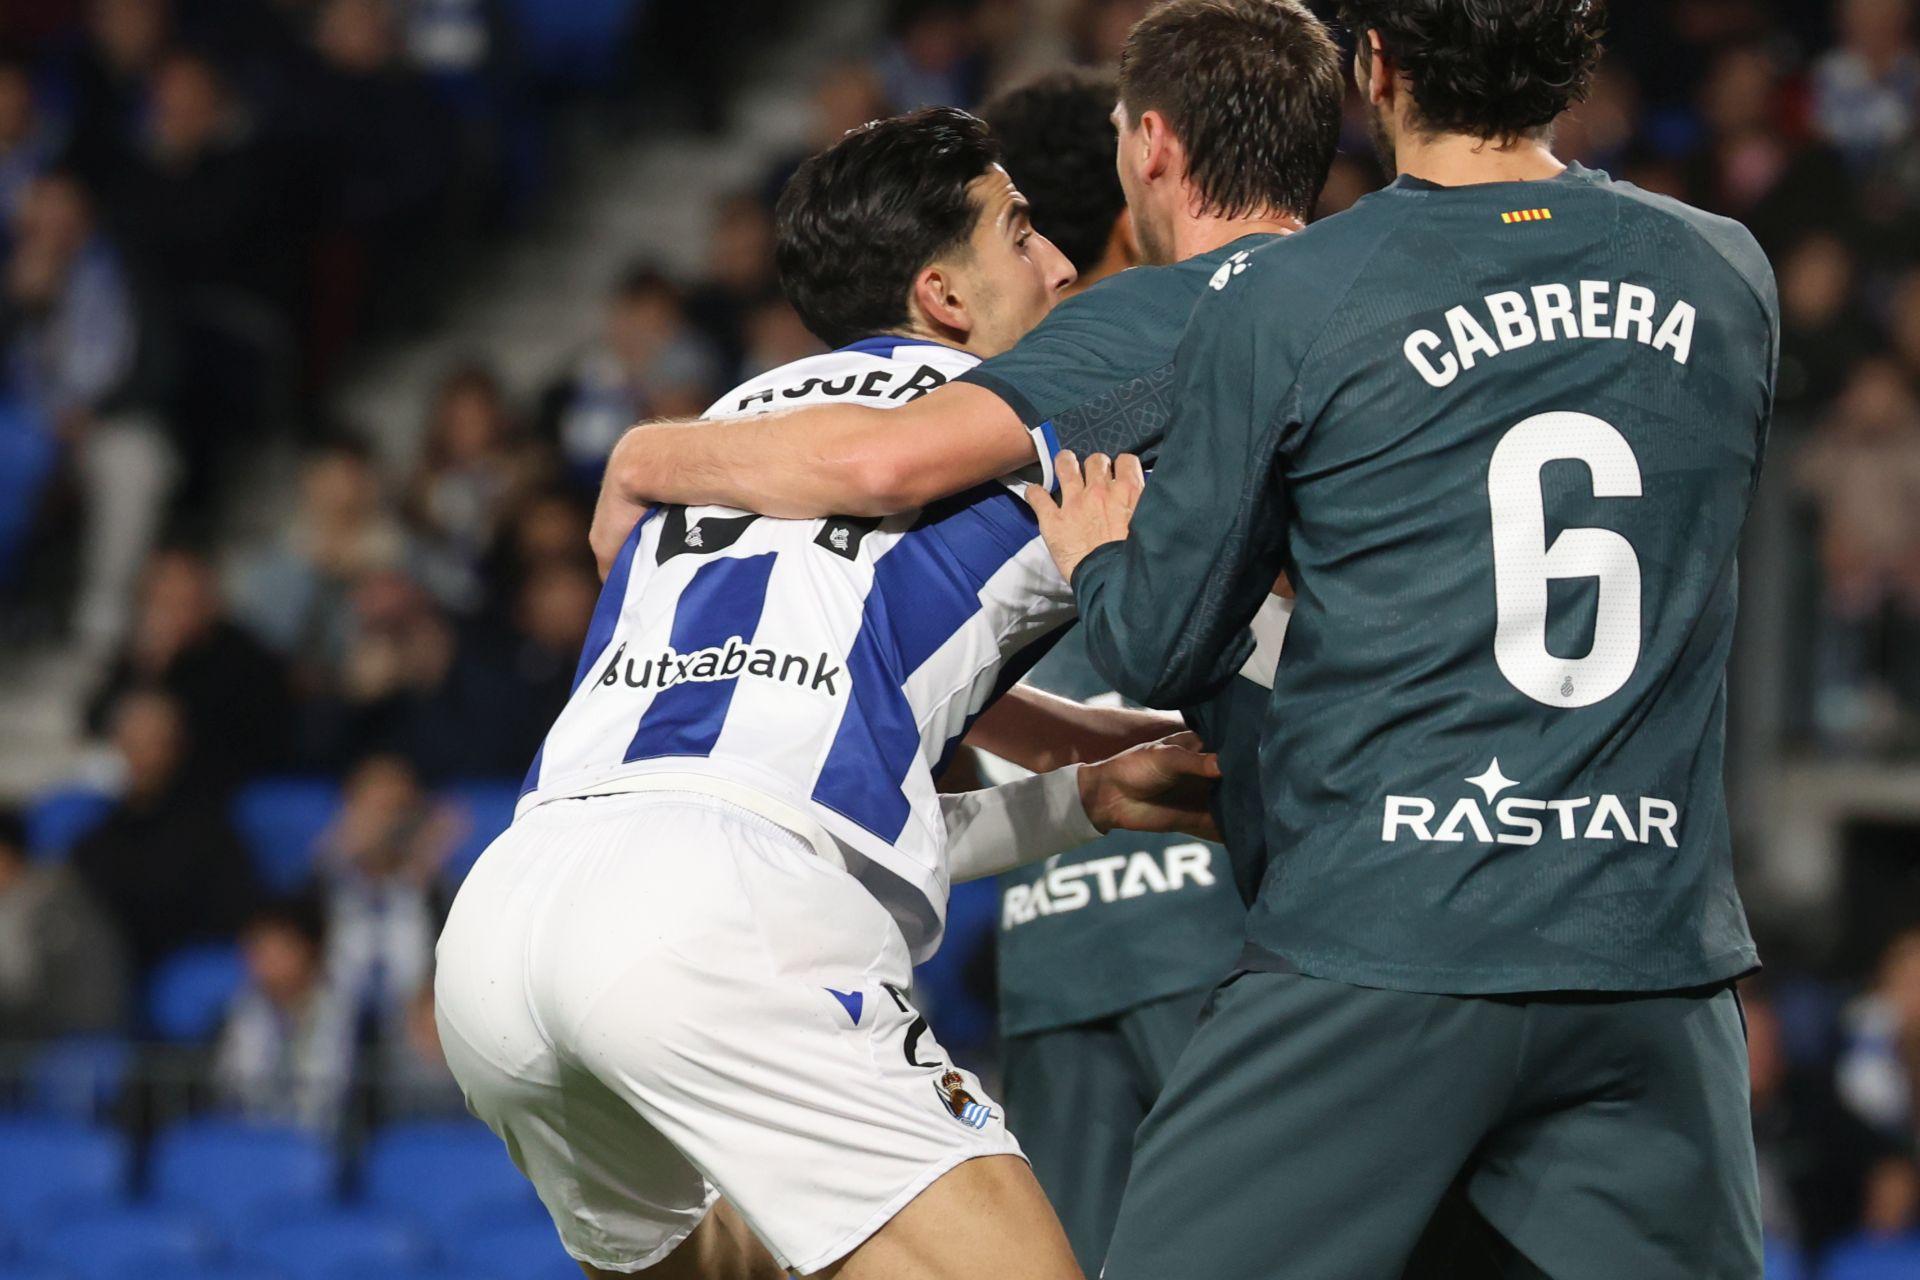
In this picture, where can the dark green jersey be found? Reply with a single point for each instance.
(1130, 918)
(1127, 919)
(1503, 439)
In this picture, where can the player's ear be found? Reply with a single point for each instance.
(1160, 150)
(938, 299)
(1374, 69)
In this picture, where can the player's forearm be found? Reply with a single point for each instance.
(1159, 648)
(826, 459)
(1016, 823)
(1041, 731)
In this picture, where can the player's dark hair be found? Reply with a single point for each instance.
(859, 221)
(1253, 91)
(1056, 134)
(1494, 69)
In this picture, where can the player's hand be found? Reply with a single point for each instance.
(1095, 507)
(1159, 786)
(614, 516)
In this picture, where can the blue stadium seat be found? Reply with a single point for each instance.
(441, 1172)
(33, 1271)
(79, 1077)
(47, 1161)
(280, 820)
(488, 808)
(112, 1244)
(190, 990)
(527, 1251)
(59, 819)
(235, 1172)
(324, 1246)
(1864, 1259)
(219, 1271)
(1782, 1261)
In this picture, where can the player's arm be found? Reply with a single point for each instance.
(1167, 609)
(1042, 731)
(826, 459)
(1157, 786)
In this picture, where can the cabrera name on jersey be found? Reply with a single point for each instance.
(831, 665)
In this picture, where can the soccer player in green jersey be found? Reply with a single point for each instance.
(1500, 424)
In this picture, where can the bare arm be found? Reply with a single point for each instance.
(1043, 732)
(826, 459)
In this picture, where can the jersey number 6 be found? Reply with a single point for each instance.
(1523, 563)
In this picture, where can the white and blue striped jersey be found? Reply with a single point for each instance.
(831, 665)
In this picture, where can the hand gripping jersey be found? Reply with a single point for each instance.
(829, 665)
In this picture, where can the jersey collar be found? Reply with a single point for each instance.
(886, 344)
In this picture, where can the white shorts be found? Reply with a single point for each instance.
(659, 999)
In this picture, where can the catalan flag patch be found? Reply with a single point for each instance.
(1528, 215)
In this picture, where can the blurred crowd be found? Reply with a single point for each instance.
(206, 207)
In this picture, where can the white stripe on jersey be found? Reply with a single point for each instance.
(828, 664)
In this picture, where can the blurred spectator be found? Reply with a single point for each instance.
(1879, 1071)
(73, 356)
(411, 684)
(415, 1077)
(740, 272)
(1867, 92)
(1099, 29)
(379, 862)
(1600, 131)
(231, 689)
(1748, 166)
(1905, 325)
(548, 533)
(650, 362)
(125, 40)
(475, 469)
(1813, 1154)
(1892, 1209)
(165, 863)
(62, 971)
(385, 152)
(847, 95)
(286, 1053)
(933, 56)
(775, 336)
(199, 205)
(1821, 331)
(1862, 473)
(27, 141)
(297, 593)
(551, 620)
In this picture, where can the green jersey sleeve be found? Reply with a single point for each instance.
(1097, 376)
(1166, 612)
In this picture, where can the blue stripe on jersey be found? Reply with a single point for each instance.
(606, 611)
(885, 346)
(1012, 673)
(722, 602)
(924, 590)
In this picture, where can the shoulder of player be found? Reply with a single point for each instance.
(1728, 238)
(1305, 276)
(882, 371)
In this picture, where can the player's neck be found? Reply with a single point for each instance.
(1459, 160)
(1195, 236)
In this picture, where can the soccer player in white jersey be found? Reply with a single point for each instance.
(679, 976)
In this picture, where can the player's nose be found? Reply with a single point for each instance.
(1061, 272)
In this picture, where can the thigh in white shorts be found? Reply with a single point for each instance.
(658, 999)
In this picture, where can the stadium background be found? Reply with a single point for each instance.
(316, 318)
